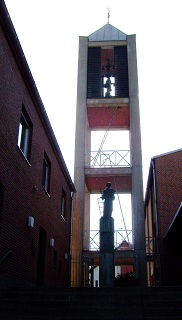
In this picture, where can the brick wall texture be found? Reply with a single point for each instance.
(18, 198)
(169, 188)
(169, 197)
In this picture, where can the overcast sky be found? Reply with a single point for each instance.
(49, 34)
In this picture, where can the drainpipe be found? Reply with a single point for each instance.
(156, 215)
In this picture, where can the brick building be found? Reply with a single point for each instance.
(127, 265)
(163, 209)
(36, 189)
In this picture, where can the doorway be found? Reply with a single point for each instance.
(41, 257)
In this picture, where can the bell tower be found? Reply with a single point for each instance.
(107, 99)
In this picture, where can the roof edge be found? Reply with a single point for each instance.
(166, 153)
(173, 221)
(22, 63)
(150, 172)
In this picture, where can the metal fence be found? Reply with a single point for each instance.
(119, 237)
(81, 275)
(150, 246)
(108, 158)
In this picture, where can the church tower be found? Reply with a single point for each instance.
(107, 99)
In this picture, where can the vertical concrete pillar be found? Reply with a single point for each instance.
(80, 141)
(136, 159)
(86, 221)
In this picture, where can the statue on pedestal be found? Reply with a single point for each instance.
(108, 197)
(106, 256)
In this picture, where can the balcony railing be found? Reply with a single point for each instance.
(108, 158)
(119, 237)
(150, 246)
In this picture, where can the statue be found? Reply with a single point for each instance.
(106, 256)
(108, 197)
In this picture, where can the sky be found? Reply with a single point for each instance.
(49, 34)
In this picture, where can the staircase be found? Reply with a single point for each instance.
(92, 303)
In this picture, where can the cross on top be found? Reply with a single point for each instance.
(108, 14)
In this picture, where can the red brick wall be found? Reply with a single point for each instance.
(169, 197)
(169, 188)
(18, 177)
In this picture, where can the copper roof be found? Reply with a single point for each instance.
(107, 33)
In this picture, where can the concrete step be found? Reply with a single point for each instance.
(89, 303)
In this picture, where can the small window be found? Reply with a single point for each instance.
(24, 135)
(63, 204)
(46, 173)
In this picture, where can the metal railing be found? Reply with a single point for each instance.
(150, 246)
(108, 158)
(119, 237)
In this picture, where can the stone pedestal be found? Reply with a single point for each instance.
(106, 266)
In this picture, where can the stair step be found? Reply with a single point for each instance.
(92, 303)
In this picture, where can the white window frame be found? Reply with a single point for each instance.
(46, 174)
(24, 136)
(63, 204)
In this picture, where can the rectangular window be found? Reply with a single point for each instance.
(46, 173)
(63, 204)
(24, 135)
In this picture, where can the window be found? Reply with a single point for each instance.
(63, 204)
(46, 173)
(24, 135)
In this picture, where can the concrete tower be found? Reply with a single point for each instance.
(108, 56)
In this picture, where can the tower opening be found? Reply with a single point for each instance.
(115, 151)
(107, 75)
